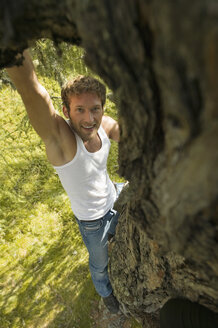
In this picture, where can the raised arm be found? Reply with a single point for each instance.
(36, 99)
(58, 137)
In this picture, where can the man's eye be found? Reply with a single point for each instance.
(95, 109)
(79, 109)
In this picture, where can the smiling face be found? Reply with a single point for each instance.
(85, 114)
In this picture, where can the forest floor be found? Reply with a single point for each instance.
(102, 318)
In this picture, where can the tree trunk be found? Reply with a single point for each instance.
(160, 58)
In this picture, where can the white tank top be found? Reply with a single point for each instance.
(86, 181)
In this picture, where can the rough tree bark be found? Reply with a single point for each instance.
(160, 58)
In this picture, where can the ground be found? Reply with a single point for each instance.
(104, 319)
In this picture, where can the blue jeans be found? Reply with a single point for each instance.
(95, 236)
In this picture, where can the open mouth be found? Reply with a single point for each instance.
(88, 128)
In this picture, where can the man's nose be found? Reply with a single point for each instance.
(89, 117)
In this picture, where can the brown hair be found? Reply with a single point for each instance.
(82, 84)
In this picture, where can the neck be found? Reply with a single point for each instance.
(93, 144)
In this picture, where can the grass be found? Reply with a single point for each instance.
(44, 276)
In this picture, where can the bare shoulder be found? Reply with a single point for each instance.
(107, 122)
(111, 127)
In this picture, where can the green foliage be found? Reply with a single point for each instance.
(45, 281)
(59, 62)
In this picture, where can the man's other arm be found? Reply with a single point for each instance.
(111, 127)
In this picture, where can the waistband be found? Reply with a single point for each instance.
(110, 210)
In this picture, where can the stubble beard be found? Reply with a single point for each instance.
(80, 133)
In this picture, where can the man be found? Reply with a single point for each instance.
(78, 149)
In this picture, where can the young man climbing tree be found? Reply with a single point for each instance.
(78, 148)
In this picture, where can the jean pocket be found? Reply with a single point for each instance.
(91, 227)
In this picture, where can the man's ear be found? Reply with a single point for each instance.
(65, 111)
